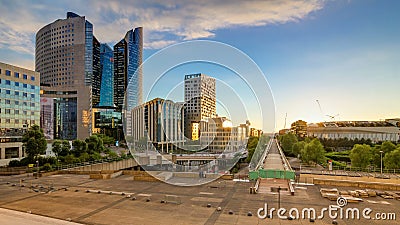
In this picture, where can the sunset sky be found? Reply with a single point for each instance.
(346, 54)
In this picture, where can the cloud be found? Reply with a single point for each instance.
(165, 22)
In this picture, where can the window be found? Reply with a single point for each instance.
(32, 87)
(32, 95)
(8, 111)
(25, 85)
(7, 120)
(17, 84)
(16, 121)
(16, 75)
(24, 112)
(16, 102)
(17, 93)
(8, 92)
(32, 78)
(8, 73)
(25, 77)
(8, 101)
(16, 111)
(32, 113)
(8, 82)
(25, 94)
(32, 104)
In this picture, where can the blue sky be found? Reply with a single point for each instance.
(346, 54)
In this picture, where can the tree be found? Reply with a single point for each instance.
(56, 148)
(107, 140)
(298, 147)
(94, 144)
(360, 155)
(66, 148)
(34, 142)
(313, 152)
(79, 147)
(287, 142)
(376, 156)
(387, 147)
(392, 159)
(251, 147)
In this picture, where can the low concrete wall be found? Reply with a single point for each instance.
(116, 165)
(308, 178)
(356, 182)
(105, 175)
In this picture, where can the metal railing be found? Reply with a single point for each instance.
(88, 163)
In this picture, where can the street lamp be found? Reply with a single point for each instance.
(381, 162)
(37, 172)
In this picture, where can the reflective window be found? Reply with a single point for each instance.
(16, 75)
(8, 73)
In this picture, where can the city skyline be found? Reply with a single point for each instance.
(342, 53)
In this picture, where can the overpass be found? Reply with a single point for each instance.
(273, 171)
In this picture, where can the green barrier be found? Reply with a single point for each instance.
(262, 173)
(253, 175)
(280, 174)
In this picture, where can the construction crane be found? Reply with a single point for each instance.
(322, 113)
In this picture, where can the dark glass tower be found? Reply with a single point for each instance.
(107, 79)
(127, 59)
(97, 73)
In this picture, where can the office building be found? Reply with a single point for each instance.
(128, 55)
(67, 57)
(376, 131)
(200, 102)
(299, 128)
(219, 135)
(159, 122)
(19, 107)
(107, 76)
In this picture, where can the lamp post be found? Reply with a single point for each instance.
(381, 162)
(37, 172)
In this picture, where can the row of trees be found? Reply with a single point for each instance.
(362, 153)
(309, 150)
(365, 156)
(35, 144)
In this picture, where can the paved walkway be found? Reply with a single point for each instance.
(8, 217)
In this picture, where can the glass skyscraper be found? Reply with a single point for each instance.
(107, 78)
(127, 59)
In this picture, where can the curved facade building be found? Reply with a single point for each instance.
(66, 58)
(127, 72)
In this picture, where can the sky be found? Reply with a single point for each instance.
(345, 54)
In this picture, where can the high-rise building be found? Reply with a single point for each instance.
(128, 55)
(67, 57)
(19, 107)
(200, 102)
(157, 121)
(107, 76)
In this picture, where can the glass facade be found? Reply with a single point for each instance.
(131, 58)
(88, 53)
(65, 125)
(97, 75)
(107, 78)
(16, 99)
